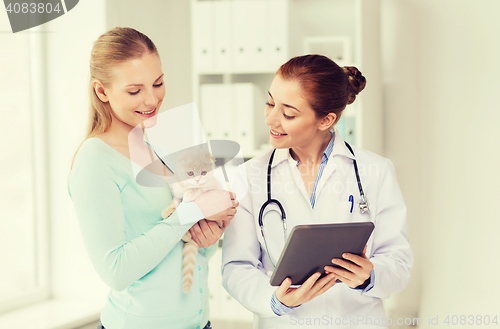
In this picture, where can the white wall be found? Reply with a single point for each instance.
(441, 66)
(459, 54)
(400, 73)
(168, 25)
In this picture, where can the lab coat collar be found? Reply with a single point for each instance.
(280, 155)
(339, 148)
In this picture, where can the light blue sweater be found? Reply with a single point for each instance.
(137, 256)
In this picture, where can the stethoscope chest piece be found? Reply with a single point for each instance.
(363, 205)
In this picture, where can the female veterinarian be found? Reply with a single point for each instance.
(135, 252)
(313, 176)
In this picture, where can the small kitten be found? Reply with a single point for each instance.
(194, 176)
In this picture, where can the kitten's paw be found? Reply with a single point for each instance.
(167, 212)
(188, 196)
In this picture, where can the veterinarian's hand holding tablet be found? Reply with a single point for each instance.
(308, 254)
(310, 289)
(356, 270)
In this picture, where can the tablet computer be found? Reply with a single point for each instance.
(311, 247)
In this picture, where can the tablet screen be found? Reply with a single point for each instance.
(311, 247)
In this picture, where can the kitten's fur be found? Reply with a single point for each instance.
(194, 176)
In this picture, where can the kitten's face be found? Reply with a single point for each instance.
(195, 167)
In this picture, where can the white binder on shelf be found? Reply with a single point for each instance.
(337, 48)
(223, 19)
(243, 105)
(226, 111)
(209, 110)
(217, 111)
(203, 36)
(257, 44)
(249, 38)
(242, 29)
(249, 117)
(277, 32)
(234, 112)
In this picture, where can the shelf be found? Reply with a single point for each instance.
(349, 29)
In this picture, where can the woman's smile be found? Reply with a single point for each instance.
(147, 114)
(276, 134)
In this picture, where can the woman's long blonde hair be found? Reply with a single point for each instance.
(110, 49)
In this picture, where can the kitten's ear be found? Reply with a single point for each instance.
(212, 160)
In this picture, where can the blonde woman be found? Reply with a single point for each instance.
(137, 253)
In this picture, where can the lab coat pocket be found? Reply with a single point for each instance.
(349, 212)
(344, 215)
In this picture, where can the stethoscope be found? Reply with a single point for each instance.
(363, 204)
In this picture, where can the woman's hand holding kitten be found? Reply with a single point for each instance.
(207, 232)
(217, 205)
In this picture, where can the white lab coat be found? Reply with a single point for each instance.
(246, 267)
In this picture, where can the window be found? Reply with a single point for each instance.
(23, 219)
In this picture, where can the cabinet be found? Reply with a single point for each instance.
(229, 112)
(245, 41)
